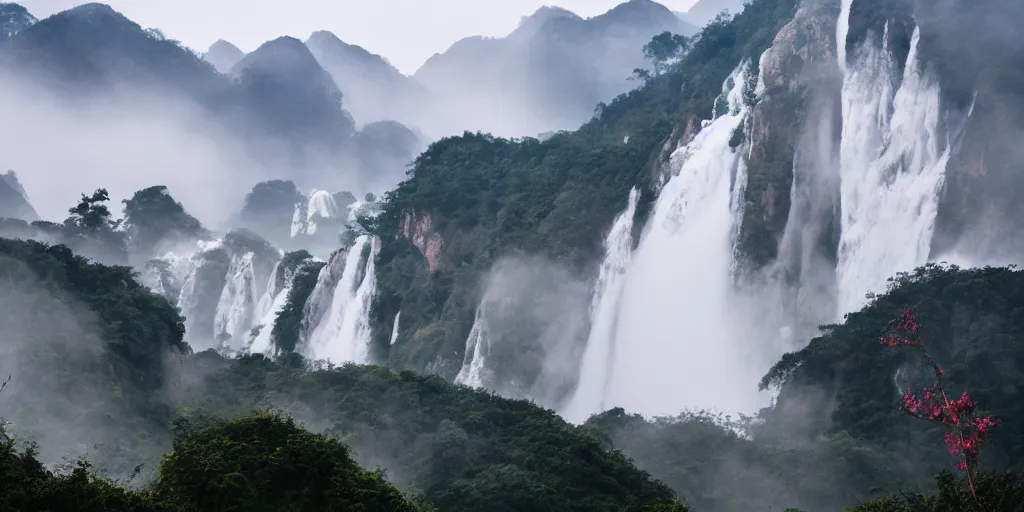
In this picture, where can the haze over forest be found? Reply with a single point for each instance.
(637, 257)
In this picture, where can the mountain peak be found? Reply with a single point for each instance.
(222, 55)
(324, 37)
(639, 8)
(287, 57)
(13, 19)
(544, 16)
(92, 10)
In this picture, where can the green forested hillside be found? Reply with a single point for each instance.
(836, 435)
(467, 450)
(462, 449)
(488, 197)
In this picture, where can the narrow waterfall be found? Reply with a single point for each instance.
(321, 205)
(892, 167)
(478, 347)
(842, 31)
(273, 302)
(600, 351)
(237, 306)
(201, 288)
(343, 334)
(674, 315)
(394, 329)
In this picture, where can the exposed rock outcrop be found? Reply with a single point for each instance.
(418, 229)
(800, 65)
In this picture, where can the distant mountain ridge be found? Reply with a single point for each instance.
(373, 88)
(549, 73)
(705, 10)
(283, 107)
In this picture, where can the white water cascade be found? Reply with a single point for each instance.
(478, 347)
(394, 329)
(321, 205)
(892, 167)
(343, 333)
(677, 337)
(271, 304)
(237, 306)
(593, 380)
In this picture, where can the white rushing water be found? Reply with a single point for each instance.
(478, 347)
(675, 345)
(843, 30)
(593, 380)
(237, 306)
(343, 333)
(892, 167)
(394, 329)
(321, 205)
(271, 304)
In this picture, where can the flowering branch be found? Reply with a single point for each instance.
(968, 431)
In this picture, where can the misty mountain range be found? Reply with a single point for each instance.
(546, 75)
(311, 111)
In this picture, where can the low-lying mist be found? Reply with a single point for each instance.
(530, 330)
(64, 392)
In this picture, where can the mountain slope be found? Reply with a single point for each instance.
(374, 90)
(547, 74)
(13, 201)
(93, 45)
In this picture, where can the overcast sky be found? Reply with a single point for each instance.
(406, 32)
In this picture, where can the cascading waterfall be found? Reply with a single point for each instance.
(843, 30)
(674, 314)
(271, 304)
(478, 347)
(590, 392)
(321, 205)
(237, 307)
(892, 167)
(343, 334)
(394, 329)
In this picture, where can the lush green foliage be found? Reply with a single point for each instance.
(464, 450)
(972, 321)
(260, 462)
(152, 217)
(996, 492)
(265, 462)
(288, 325)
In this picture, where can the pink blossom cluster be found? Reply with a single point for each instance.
(968, 431)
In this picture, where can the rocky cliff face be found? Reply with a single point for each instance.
(418, 229)
(801, 77)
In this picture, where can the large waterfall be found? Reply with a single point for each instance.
(892, 165)
(600, 351)
(343, 333)
(674, 334)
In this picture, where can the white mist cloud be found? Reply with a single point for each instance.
(123, 141)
